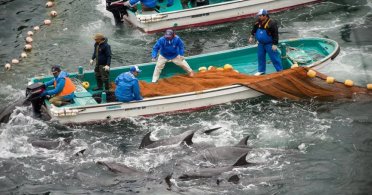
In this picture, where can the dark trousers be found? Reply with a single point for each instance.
(102, 77)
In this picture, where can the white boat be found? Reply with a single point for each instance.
(86, 109)
(176, 17)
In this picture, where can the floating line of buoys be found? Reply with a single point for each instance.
(29, 40)
(330, 80)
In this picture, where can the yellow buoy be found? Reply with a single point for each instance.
(85, 84)
(36, 28)
(311, 73)
(369, 86)
(295, 65)
(330, 80)
(7, 66)
(47, 22)
(30, 33)
(53, 13)
(220, 69)
(211, 68)
(202, 69)
(349, 83)
(228, 67)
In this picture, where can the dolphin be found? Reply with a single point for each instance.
(185, 137)
(224, 153)
(6, 111)
(120, 168)
(215, 171)
(50, 144)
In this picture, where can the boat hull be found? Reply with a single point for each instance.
(152, 106)
(210, 14)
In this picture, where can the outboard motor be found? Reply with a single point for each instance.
(33, 92)
(118, 9)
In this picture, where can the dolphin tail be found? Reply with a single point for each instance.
(211, 130)
(146, 141)
(243, 142)
(168, 181)
(242, 161)
(188, 139)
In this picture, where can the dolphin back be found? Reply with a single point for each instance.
(242, 161)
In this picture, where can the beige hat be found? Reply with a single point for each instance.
(99, 36)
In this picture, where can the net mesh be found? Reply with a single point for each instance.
(289, 84)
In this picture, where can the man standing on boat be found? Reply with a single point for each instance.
(102, 55)
(171, 50)
(63, 88)
(127, 86)
(265, 31)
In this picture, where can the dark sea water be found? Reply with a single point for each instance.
(305, 147)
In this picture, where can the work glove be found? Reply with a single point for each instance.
(91, 62)
(153, 59)
(169, 4)
(250, 40)
(127, 4)
(181, 57)
(274, 47)
(106, 68)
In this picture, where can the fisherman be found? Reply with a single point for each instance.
(171, 50)
(147, 5)
(127, 86)
(63, 88)
(265, 31)
(102, 56)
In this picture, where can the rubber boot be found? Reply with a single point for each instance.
(99, 85)
(107, 86)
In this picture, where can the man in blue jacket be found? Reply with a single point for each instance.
(102, 55)
(127, 86)
(63, 91)
(171, 50)
(266, 32)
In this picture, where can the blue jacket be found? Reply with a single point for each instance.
(147, 3)
(168, 48)
(104, 53)
(60, 80)
(127, 88)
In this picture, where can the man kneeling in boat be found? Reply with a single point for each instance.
(127, 86)
(63, 88)
(171, 50)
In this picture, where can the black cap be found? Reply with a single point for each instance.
(56, 68)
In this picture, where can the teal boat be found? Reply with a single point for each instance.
(308, 52)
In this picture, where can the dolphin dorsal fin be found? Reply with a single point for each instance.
(188, 139)
(211, 130)
(242, 161)
(146, 141)
(243, 142)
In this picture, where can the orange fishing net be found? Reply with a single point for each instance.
(289, 84)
